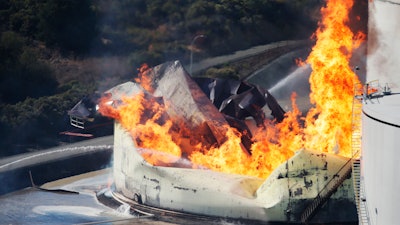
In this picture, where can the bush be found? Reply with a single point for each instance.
(36, 123)
(22, 75)
(70, 25)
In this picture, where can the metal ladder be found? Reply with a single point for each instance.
(356, 121)
(359, 194)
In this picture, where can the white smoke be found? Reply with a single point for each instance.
(383, 61)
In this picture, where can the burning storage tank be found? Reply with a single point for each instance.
(310, 186)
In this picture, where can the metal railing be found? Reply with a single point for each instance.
(326, 192)
(77, 122)
(361, 93)
(359, 194)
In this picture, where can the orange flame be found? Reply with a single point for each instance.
(326, 127)
(143, 116)
(328, 124)
(144, 78)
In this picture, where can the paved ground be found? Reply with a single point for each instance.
(261, 54)
(39, 167)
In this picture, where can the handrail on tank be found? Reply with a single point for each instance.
(374, 90)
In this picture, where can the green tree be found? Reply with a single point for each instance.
(68, 24)
(37, 122)
(21, 74)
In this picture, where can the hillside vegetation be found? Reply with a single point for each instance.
(54, 52)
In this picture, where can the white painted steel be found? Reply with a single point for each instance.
(210, 193)
(380, 167)
(380, 160)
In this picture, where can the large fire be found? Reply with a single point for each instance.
(325, 128)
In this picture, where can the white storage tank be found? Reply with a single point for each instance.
(380, 161)
(380, 158)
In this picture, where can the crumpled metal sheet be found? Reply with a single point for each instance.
(239, 99)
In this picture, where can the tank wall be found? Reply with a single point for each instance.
(381, 142)
(381, 170)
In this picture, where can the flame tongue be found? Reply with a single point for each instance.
(145, 118)
(332, 81)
